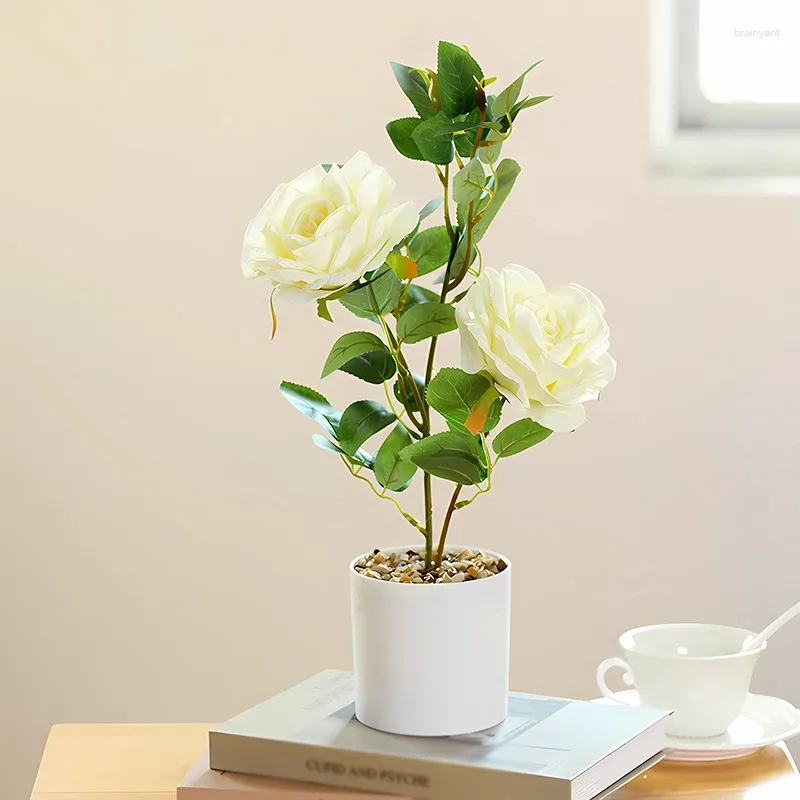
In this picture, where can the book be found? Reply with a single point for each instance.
(547, 749)
(203, 783)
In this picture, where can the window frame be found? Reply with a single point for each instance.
(691, 135)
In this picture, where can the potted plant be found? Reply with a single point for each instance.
(431, 621)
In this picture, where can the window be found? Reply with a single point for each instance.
(726, 88)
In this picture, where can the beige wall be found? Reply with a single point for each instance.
(173, 547)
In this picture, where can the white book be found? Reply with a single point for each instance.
(548, 748)
(204, 783)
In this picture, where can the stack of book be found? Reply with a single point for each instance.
(291, 746)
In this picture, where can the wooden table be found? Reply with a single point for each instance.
(146, 762)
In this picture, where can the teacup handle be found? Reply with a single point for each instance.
(627, 677)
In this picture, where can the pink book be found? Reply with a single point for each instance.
(203, 783)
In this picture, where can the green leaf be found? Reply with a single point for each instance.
(430, 249)
(427, 210)
(375, 366)
(478, 418)
(493, 417)
(360, 421)
(392, 471)
(469, 183)
(519, 436)
(528, 102)
(348, 347)
(425, 320)
(458, 76)
(377, 298)
(462, 212)
(337, 294)
(405, 268)
(455, 393)
(505, 101)
(460, 296)
(419, 294)
(415, 88)
(453, 456)
(460, 263)
(465, 141)
(313, 405)
(435, 146)
(430, 207)
(400, 132)
(404, 393)
(323, 312)
(360, 457)
(489, 148)
(506, 172)
(466, 126)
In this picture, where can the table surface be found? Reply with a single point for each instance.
(147, 761)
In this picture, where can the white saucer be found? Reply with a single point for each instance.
(764, 720)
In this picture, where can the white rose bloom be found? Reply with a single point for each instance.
(324, 230)
(546, 349)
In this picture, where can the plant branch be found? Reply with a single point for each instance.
(481, 490)
(428, 530)
(390, 403)
(467, 253)
(444, 177)
(427, 487)
(412, 433)
(421, 404)
(402, 367)
(446, 524)
(405, 401)
(408, 518)
(478, 134)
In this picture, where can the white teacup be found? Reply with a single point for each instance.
(699, 672)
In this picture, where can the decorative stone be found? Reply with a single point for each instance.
(409, 567)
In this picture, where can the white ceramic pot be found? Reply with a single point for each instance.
(431, 659)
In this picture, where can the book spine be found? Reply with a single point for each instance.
(377, 772)
(204, 793)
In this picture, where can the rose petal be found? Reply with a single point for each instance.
(546, 350)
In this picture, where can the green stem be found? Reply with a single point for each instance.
(444, 177)
(446, 524)
(481, 490)
(390, 402)
(421, 404)
(402, 367)
(427, 487)
(412, 433)
(408, 518)
(467, 253)
(428, 490)
(478, 134)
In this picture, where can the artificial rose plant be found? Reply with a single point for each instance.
(336, 233)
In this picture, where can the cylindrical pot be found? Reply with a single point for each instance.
(431, 659)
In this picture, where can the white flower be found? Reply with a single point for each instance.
(324, 230)
(547, 350)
